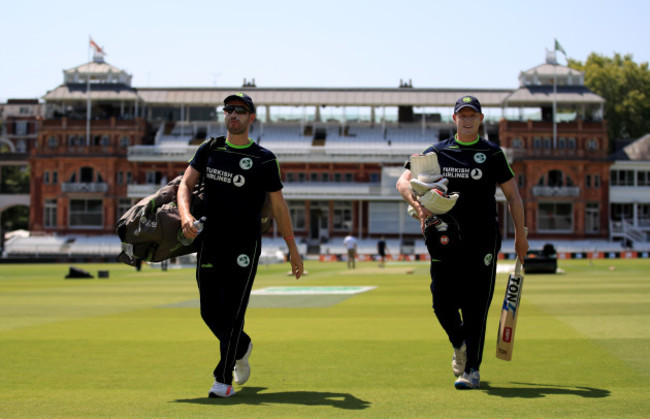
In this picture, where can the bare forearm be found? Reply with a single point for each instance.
(183, 199)
(404, 188)
(516, 208)
(283, 220)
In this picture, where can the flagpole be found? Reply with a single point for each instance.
(88, 96)
(555, 103)
(556, 47)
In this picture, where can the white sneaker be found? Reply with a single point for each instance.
(221, 390)
(459, 360)
(242, 367)
(468, 381)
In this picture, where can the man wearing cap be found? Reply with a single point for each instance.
(238, 174)
(463, 236)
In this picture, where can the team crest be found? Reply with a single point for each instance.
(479, 158)
(245, 163)
(243, 260)
(444, 240)
(487, 259)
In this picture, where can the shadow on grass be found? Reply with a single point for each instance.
(533, 391)
(255, 396)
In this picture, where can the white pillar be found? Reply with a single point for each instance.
(182, 119)
(424, 122)
(360, 218)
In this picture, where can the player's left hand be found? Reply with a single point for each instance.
(521, 246)
(297, 267)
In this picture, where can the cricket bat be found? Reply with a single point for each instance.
(510, 313)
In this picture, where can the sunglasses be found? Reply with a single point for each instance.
(239, 110)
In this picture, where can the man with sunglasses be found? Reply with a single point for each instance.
(237, 175)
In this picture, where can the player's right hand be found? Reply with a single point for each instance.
(187, 224)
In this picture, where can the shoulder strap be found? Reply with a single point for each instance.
(215, 142)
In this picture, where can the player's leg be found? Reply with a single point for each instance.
(225, 281)
(243, 267)
(482, 262)
(212, 312)
(475, 308)
(445, 295)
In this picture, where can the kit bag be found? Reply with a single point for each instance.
(149, 229)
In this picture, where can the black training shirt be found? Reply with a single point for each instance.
(474, 170)
(236, 181)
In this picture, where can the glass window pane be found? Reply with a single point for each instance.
(555, 217)
(86, 213)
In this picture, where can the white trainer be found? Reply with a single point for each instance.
(459, 360)
(221, 390)
(468, 381)
(242, 367)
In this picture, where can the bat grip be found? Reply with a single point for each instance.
(517, 266)
(517, 261)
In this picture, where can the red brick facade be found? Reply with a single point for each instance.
(583, 157)
(57, 160)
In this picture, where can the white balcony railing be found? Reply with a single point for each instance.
(304, 190)
(140, 191)
(286, 153)
(157, 153)
(96, 187)
(556, 191)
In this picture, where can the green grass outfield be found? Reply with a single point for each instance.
(134, 345)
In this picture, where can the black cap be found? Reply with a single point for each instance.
(244, 98)
(468, 102)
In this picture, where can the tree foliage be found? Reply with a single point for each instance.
(14, 218)
(625, 85)
(14, 180)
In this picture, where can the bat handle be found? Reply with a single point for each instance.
(517, 261)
